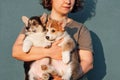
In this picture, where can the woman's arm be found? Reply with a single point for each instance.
(86, 61)
(35, 53)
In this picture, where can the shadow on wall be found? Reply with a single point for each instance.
(99, 70)
(87, 13)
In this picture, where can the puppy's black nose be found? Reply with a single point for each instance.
(47, 37)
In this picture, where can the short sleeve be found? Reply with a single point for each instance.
(84, 39)
(22, 31)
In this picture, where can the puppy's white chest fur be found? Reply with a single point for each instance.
(36, 39)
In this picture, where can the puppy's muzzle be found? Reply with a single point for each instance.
(48, 38)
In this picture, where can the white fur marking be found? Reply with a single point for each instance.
(68, 73)
(66, 56)
(26, 45)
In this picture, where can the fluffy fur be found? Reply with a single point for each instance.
(69, 67)
(41, 34)
(35, 32)
(36, 36)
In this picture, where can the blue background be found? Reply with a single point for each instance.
(102, 17)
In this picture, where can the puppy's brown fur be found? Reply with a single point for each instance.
(56, 31)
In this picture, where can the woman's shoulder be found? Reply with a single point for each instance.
(74, 24)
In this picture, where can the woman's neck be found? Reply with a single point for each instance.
(58, 16)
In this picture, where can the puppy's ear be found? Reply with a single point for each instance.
(63, 24)
(49, 18)
(43, 18)
(25, 20)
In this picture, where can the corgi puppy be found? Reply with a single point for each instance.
(56, 31)
(35, 32)
(69, 66)
(36, 36)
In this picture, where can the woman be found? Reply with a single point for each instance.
(59, 10)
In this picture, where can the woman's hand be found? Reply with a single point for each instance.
(55, 50)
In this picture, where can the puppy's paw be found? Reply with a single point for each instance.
(48, 46)
(44, 67)
(54, 73)
(66, 57)
(26, 49)
(26, 45)
(45, 76)
(65, 77)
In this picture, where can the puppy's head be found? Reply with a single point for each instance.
(55, 29)
(35, 23)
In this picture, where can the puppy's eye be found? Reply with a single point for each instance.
(34, 30)
(53, 31)
(34, 23)
(27, 28)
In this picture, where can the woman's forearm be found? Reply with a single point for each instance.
(86, 66)
(35, 53)
(86, 61)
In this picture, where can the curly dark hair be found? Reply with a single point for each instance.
(79, 4)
